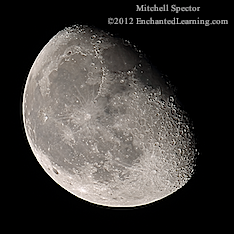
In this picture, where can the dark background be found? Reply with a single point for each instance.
(196, 60)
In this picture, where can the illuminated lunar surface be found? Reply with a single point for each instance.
(103, 123)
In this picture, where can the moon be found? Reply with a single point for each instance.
(103, 122)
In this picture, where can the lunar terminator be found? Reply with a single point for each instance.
(103, 123)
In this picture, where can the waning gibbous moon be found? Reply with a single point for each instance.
(103, 123)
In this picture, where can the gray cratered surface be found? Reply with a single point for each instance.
(103, 123)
